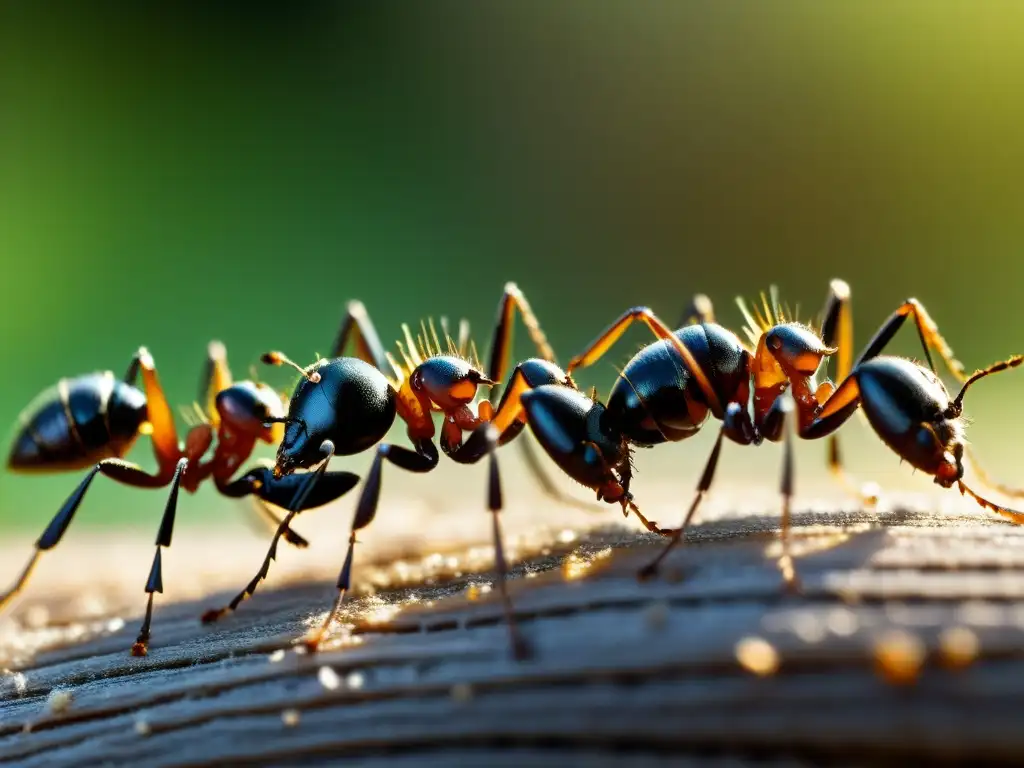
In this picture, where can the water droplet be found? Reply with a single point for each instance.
(757, 655)
(355, 680)
(899, 656)
(959, 647)
(329, 678)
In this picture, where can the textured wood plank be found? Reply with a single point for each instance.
(624, 672)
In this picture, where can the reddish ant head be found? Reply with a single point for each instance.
(246, 407)
(449, 382)
(796, 348)
(910, 409)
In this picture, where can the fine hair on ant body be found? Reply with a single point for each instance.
(663, 394)
(95, 419)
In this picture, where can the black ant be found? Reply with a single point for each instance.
(347, 405)
(95, 419)
(667, 390)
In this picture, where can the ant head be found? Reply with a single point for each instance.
(568, 424)
(796, 348)
(247, 408)
(910, 409)
(448, 381)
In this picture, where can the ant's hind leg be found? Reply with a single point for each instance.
(155, 582)
(117, 469)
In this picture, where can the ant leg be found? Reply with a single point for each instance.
(251, 484)
(155, 582)
(706, 478)
(837, 332)
(792, 582)
(508, 407)
(700, 310)
(839, 407)
(357, 326)
(520, 647)
(300, 487)
(132, 374)
(164, 436)
(116, 469)
(423, 459)
(216, 378)
(597, 348)
(928, 332)
(837, 327)
(501, 342)
(484, 442)
(528, 450)
(957, 406)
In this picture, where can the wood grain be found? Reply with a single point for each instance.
(624, 673)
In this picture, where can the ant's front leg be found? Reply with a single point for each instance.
(423, 459)
(305, 492)
(269, 492)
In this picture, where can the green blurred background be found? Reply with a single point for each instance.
(171, 173)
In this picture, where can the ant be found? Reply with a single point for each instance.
(95, 419)
(347, 405)
(668, 389)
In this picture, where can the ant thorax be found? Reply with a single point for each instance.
(435, 377)
(787, 354)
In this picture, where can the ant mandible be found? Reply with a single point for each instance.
(96, 418)
(668, 389)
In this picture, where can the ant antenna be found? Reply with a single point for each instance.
(1009, 514)
(957, 406)
(279, 358)
(1003, 365)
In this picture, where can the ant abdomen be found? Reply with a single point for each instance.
(77, 423)
(655, 398)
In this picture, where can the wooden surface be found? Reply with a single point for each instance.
(623, 674)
